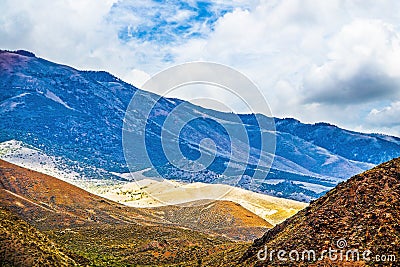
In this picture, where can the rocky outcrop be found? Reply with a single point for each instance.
(361, 215)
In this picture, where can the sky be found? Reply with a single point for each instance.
(332, 61)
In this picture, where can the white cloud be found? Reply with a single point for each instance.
(356, 69)
(136, 77)
(314, 60)
(387, 116)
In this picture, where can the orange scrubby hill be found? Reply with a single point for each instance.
(364, 212)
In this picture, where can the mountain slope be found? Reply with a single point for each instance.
(362, 213)
(78, 115)
(221, 216)
(23, 245)
(358, 144)
(49, 203)
(100, 232)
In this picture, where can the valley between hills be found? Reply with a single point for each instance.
(90, 230)
(48, 222)
(69, 196)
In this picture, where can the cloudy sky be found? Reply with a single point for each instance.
(332, 61)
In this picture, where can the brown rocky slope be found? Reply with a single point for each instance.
(23, 245)
(362, 213)
(224, 218)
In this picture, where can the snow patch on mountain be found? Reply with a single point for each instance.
(313, 187)
(26, 156)
(9, 106)
(11, 103)
(273, 181)
(50, 95)
(76, 173)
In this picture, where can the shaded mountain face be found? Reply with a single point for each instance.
(79, 116)
(361, 214)
(64, 111)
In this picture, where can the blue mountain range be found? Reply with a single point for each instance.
(80, 115)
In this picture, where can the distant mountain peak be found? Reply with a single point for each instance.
(100, 76)
(20, 52)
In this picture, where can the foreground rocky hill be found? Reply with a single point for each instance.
(23, 245)
(361, 214)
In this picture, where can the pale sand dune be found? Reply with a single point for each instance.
(152, 193)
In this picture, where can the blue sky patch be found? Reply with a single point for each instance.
(165, 21)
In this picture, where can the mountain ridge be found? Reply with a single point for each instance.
(361, 212)
(79, 116)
